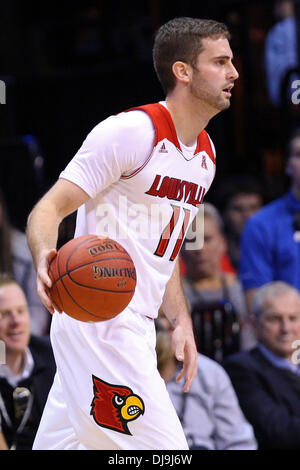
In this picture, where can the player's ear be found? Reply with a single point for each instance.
(182, 71)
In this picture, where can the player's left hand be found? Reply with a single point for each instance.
(185, 351)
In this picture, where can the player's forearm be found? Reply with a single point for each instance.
(42, 228)
(175, 307)
(174, 303)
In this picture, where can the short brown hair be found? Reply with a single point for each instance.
(181, 39)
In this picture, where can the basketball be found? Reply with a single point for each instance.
(93, 278)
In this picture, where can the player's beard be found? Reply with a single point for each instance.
(203, 91)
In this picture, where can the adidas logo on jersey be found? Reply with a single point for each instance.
(163, 149)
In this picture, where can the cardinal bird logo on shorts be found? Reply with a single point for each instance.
(113, 406)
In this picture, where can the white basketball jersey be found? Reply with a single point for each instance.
(147, 207)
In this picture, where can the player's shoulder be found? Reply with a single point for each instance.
(135, 117)
(123, 127)
(208, 138)
(127, 121)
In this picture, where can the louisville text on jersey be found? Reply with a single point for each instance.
(177, 190)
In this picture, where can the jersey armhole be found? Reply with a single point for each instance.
(136, 170)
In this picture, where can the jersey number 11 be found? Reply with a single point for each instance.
(167, 233)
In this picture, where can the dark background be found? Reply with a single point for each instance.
(67, 65)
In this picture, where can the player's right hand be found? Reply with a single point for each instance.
(184, 346)
(44, 282)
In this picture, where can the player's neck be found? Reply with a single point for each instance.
(189, 120)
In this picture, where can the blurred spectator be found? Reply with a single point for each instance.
(205, 284)
(209, 412)
(239, 197)
(270, 244)
(27, 375)
(281, 50)
(15, 259)
(267, 378)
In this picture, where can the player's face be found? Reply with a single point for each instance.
(214, 74)
(14, 318)
(279, 324)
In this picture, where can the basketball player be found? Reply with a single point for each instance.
(107, 393)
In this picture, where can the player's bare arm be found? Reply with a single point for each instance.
(175, 308)
(42, 229)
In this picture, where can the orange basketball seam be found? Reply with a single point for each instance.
(62, 268)
(75, 302)
(82, 243)
(57, 289)
(86, 264)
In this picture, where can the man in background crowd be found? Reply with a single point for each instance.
(210, 413)
(238, 198)
(207, 287)
(267, 378)
(281, 52)
(27, 375)
(270, 244)
(16, 260)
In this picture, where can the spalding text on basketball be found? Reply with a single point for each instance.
(100, 272)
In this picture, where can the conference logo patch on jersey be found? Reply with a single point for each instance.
(203, 164)
(163, 149)
(114, 406)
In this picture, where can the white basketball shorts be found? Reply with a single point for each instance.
(107, 392)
